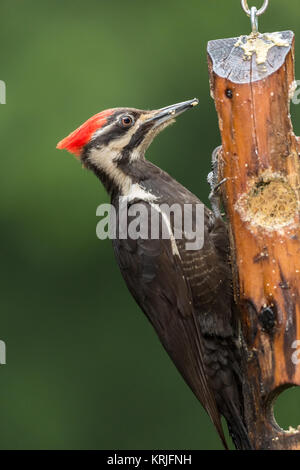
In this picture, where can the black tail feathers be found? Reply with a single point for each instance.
(236, 428)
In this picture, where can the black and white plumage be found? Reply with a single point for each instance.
(185, 294)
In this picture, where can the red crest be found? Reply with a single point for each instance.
(75, 142)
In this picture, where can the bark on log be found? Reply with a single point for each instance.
(252, 82)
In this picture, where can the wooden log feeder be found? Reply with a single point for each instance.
(252, 82)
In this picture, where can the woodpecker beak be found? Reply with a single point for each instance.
(170, 112)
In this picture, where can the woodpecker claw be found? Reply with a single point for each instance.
(212, 179)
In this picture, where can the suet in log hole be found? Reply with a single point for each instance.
(286, 409)
(270, 203)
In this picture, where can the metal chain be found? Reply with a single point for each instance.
(259, 12)
(254, 13)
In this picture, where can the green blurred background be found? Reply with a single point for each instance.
(84, 368)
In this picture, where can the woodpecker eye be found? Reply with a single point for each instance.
(126, 121)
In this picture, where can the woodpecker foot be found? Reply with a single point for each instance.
(215, 199)
(212, 179)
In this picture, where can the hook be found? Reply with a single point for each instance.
(254, 13)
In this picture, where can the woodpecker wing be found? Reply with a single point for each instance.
(154, 275)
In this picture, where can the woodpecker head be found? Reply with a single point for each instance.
(113, 143)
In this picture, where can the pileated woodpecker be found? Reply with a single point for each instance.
(186, 294)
